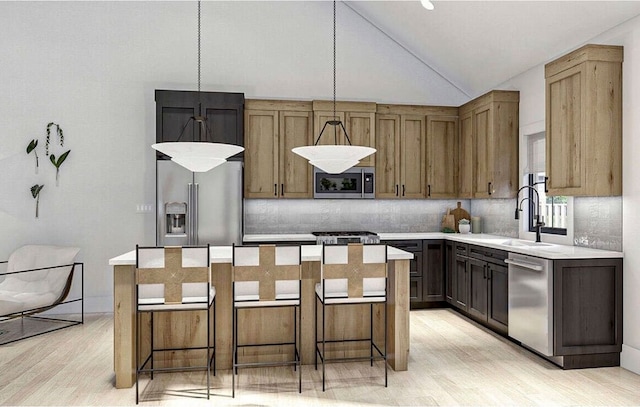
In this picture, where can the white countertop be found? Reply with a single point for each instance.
(300, 237)
(553, 251)
(222, 254)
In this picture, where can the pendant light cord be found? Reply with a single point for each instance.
(335, 117)
(199, 46)
(334, 60)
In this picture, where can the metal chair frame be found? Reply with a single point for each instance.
(322, 342)
(31, 313)
(210, 309)
(296, 362)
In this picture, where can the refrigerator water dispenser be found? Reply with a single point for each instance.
(176, 213)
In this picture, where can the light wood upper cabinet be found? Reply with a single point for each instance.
(412, 157)
(465, 156)
(442, 156)
(271, 169)
(261, 153)
(295, 172)
(490, 124)
(388, 154)
(358, 119)
(584, 122)
(400, 162)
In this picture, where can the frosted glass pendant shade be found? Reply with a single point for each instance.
(333, 166)
(334, 159)
(198, 156)
(198, 164)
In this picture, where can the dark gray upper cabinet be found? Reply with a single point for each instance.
(224, 112)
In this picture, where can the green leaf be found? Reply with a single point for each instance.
(57, 163)
(35, 190)
(63, 157)
(32, 145)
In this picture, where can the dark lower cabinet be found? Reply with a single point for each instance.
(478, 288)
(477, 283)
(587, 317)
(433, 271)
(426, 270)
(461, 277)
(498, 301)
(449, 260)
(415, 267)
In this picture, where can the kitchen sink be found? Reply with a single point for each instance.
(526, 243)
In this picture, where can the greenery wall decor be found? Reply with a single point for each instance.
(35, 192)
(32, 147)
(58, 131)
(57, 163)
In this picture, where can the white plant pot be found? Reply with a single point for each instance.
(464, 229)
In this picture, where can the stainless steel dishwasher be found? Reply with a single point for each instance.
(531, 302)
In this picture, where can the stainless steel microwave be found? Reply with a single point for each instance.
(354, 183)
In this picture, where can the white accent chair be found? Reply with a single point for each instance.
(38, 278)
(266, 276)
(351, 274)
(174, 279)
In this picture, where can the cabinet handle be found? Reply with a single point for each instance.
(429, 190)
(275, 189)
(396, 189)
(489, 188)
(281, 189)
(546, 181)
(402, 189)
(484, 272)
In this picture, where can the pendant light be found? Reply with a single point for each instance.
(198, 156)
(335, 158)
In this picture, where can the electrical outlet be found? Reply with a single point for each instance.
(144, 208)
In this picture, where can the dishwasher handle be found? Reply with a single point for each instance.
(530, 266)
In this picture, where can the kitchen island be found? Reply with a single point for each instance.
(185, 330)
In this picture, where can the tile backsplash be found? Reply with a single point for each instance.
(379, 215)
(496, 216)
(597, 222)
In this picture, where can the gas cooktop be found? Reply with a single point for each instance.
(346, 237)
(360, 233)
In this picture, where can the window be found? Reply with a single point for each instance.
(553, 209)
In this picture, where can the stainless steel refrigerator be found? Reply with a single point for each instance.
(198, 208)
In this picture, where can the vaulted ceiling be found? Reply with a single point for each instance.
(477, 45)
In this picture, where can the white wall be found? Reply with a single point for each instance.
(532, 101)
(93, 67)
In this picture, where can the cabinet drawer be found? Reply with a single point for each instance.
(461, 249)
(414, 247)
(488, 254)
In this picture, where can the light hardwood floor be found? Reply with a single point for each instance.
(452, 362)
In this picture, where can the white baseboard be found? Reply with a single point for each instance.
(92, 305)
(630, 358)
(98, 304)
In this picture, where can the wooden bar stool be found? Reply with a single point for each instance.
(266, 276)
(174, 279)
(352, 274)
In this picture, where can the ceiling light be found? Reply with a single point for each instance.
(198, 156)
(334, 159)
(427, 4)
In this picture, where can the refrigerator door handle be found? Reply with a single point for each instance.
(189, 211)
(194, 216)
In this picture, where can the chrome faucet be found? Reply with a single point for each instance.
(536, 207)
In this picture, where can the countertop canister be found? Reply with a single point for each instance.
(476, 224)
